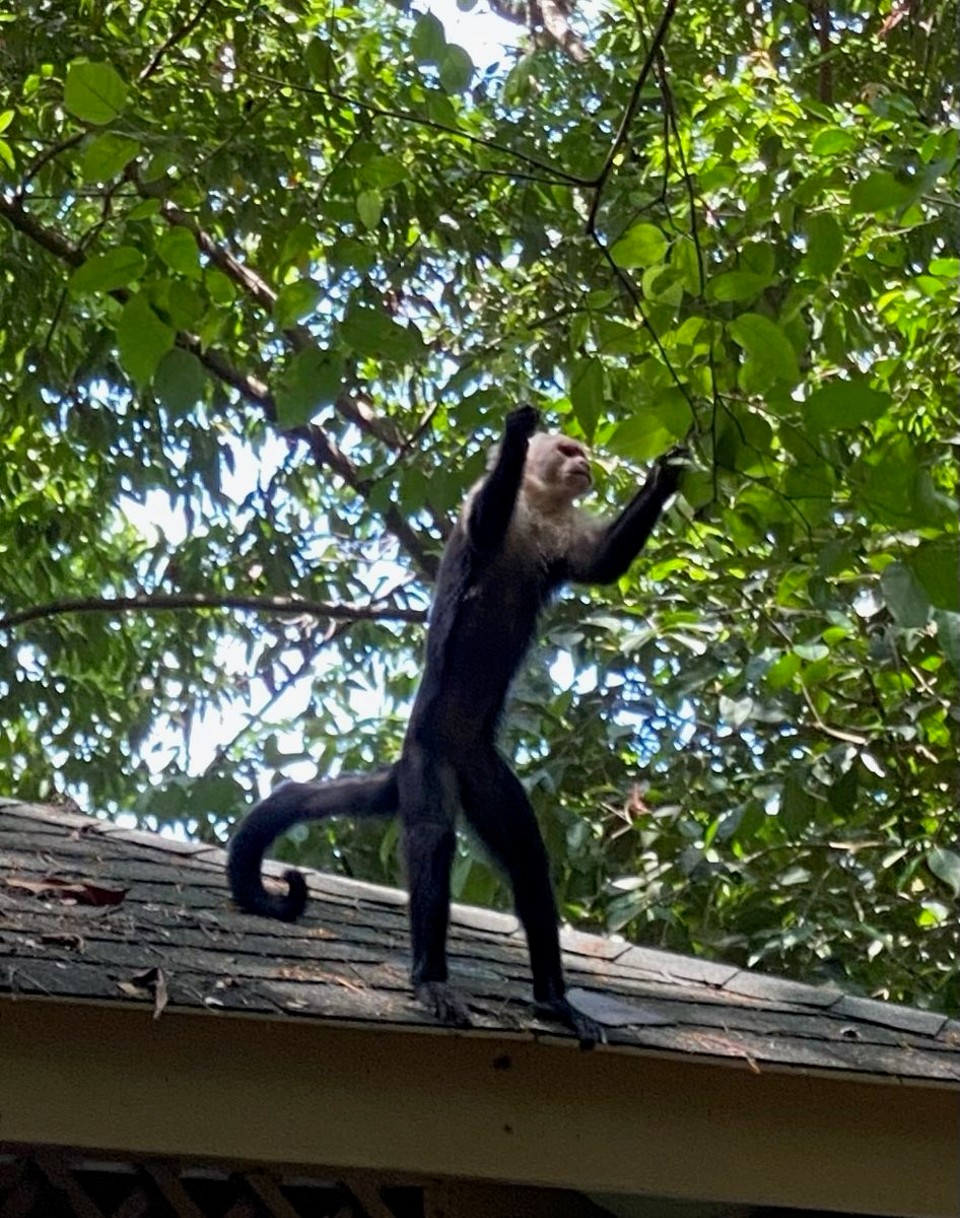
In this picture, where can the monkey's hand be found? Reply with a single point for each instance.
(671, 467)
(522, 422)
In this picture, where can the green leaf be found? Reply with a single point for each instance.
(105, 272)
(663, 284)
(811, 652)
(936, 564)
(298, 244)
(369, 208)
(654, 427)
(824, 245)
(351, 254)
(904, 596)
(182, 302)
(106, 156)
(456, 69)
(215, 793)
(586, 393)
(94, 92)
(809, 487)
(143, 210)
(945, 865)
(797, 806)
(180, 381)
(428, 41)
(320, 60)
(683, 259)
(310, 381)
(220, 288)
(886, 483)
(519, 82)
(948, 634)
(840, 405)
(834, 139)
(736, 285)
(768, 349)
(880, 192)
(782, 671)
(178, 249)
(743, 441)
(296, 301)
(384, 171)
(142, 339)
(641, 245)
(370, 332)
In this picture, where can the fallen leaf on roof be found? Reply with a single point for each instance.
(151, 981)
(70, 892)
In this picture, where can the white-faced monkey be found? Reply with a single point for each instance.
(518, 538)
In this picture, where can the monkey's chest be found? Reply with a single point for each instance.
(536, 541)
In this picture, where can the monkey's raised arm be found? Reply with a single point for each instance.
(616, 545)
(492, 506)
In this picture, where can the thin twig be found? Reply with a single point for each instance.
(45, 157)
(174, 38)
(404, 116)
(598, 183)
(192, 601)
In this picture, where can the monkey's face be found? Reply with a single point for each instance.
(560, 465)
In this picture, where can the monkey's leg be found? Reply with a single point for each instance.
(427, 814)
(497, 807)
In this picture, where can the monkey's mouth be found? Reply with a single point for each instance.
(582, 474)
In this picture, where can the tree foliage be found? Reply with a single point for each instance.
(271, 276)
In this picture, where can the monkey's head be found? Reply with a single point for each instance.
(557, 469)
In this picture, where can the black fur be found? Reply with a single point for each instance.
(490, 590)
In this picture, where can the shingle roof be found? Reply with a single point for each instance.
(89, 910)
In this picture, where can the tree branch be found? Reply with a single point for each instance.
(179, 33)
(178, 601)
(253, 283)
(552, 16)
(251, 388)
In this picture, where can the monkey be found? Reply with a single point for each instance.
(518, 538)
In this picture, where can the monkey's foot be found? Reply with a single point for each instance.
(586, 1030)
(444, 1004)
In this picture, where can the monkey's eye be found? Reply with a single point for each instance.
(568, 448)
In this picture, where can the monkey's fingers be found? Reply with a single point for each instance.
(523, 421)
(444, 1004)
(587, 1031)
(679, 455)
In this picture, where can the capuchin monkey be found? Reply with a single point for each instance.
(518, 538)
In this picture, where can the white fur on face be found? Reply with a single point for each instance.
(557, 471)
(546, 524)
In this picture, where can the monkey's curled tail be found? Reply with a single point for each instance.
(354, 795)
